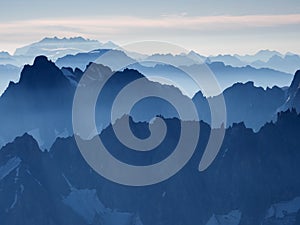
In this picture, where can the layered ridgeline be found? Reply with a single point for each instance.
(254, 180)
(246, 103)
(174, 67)
(78, 52)
(53, 48)
(265, 68)
(40, 103)
(288, 62)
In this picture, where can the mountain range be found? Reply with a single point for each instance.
(288, 63)
(44, 178)
(254, 180)
(174, 68)
(53, 48)
(41, 101)
(115, 59)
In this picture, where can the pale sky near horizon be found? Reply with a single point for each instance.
(208, 27)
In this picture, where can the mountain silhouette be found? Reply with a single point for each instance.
(228, 60)
(44, 178)
(226, 76)
(288, 63)
(115, 59)
(176, 60)
(40, 102)
(293, 94)
(56, 47)
(252, 172)
(254, 106)
(262, 55)
(237, 60)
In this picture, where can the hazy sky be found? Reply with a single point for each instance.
(209, 27)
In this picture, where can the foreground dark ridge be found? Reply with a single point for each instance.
(251, 172)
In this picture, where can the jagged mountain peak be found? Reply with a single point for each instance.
(296, 82)
(24, 147)
(40, 60)
(293, 94)
(64, 39)
(43, 73)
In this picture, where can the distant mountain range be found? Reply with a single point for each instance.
(115, 59)
(263, 68)
(53, 48)
(242, 60)
(174, 68)
(165, 66)
(18, 61)
(288, 63)
(8, 73)
(226, 76)
(177, 60)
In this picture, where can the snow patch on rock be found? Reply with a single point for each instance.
(9, 167)
(232, 218)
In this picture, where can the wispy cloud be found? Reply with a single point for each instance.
(181, 21)
(126, 27)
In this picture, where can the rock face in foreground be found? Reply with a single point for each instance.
(252, 173)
